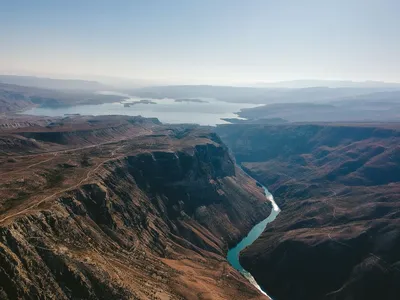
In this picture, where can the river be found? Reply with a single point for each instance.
(255, 232)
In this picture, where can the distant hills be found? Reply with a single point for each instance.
(96, 83)
(14, 98)
(51, 83)
(328, 83)
(377, 106)
(260, 95)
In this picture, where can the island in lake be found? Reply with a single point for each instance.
(144, 101)
(191, 100)
(269, 121)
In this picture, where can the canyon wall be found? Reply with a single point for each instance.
(338, 235)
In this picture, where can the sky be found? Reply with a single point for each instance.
(202, 41)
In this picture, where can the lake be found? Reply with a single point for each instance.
(203, 111)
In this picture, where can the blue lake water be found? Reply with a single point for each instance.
(166, 110)
(255, 232)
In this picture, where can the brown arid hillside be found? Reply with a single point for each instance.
(121, 208)
(338, 185)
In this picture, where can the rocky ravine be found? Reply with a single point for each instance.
(150, 216)
(338, 185)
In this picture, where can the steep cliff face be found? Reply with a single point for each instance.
(338, 234)
(144, 224)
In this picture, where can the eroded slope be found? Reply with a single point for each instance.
(338, 235)
(148, 214)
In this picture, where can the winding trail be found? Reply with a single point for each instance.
(87, 177)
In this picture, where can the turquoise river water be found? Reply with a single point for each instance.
(255, 232)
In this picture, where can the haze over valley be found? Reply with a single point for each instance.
(200, 150)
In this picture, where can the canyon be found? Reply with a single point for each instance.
(118, 207)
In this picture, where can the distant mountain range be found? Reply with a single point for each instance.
(51, 83)
(257, 95)
(96, 83)
(328, 83)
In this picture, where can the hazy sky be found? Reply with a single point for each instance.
(203, 41)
